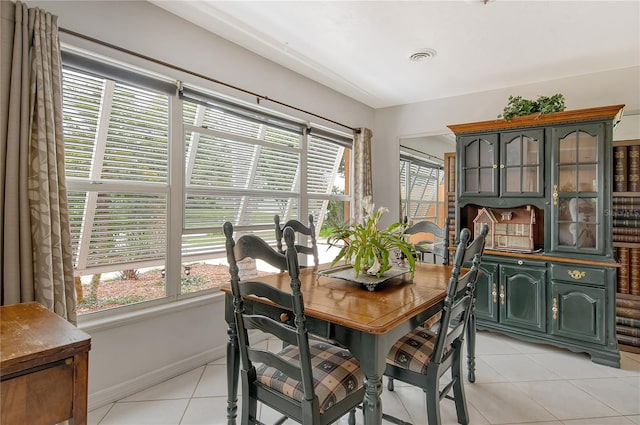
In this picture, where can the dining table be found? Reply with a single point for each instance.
(367, 322)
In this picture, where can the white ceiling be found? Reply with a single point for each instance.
(362, 48)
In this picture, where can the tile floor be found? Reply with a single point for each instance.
(517, 383)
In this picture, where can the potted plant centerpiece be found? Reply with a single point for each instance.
(368, 248)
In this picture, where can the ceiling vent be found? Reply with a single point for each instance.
(423, 55)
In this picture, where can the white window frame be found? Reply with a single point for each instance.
(174, 188)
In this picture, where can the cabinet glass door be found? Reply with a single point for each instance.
(576, 200)
(479, 159)
(521, 159)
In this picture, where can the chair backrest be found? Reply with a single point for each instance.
(298, 227)
(440, 243)
(460, 292)
(252, 246)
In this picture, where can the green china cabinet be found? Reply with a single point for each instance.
(544, 179)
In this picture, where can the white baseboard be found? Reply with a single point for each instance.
(125, 389)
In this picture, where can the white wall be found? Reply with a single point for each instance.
(628, 128)
(427, 118)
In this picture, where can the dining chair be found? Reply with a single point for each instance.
(436, 245)
(297, 226)
(425, 355)
(309, 381)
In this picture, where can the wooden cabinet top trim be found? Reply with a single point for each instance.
(553, 258)
(614, 112)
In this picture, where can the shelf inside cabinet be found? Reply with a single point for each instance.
(627, 194)
(626, 244)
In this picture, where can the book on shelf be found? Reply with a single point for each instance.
(626, 202)
(626, 230)
(631, 313)
(628, 321)
(627, 302)
(620, 172)
(626, 238)
(628, 340)
(626, 222)
(627, 213)
(634, 271)
(627, 330)
(623, 271)
(633, 174)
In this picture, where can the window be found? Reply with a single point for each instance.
(116, 139)
(147, 211)
(421, 190)
(245, 168)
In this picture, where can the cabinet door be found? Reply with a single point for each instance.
(479, 165)
(577, 203)
(578, 312)
(521, 163)
(522, 296)
(487, 292)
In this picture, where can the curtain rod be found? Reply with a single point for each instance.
(195, 74)
(427, 155)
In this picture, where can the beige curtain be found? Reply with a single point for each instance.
(363, 179)
(37, 262)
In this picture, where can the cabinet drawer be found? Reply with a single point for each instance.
(43, 396)
(577, 273)
(514, 261)
(278, 314)
(317, 327)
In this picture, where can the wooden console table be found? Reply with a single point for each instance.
(43, 368)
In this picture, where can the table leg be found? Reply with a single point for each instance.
(233, 370)
(372, 404)
(471, 345)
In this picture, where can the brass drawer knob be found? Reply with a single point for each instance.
(284, 317)
(576, 274)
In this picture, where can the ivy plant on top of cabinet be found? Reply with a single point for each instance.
(543, 178)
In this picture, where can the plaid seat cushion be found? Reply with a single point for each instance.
(413, 351)
(336, 374)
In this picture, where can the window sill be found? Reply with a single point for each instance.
(111, 319)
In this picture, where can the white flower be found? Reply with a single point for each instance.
(367, 206)
(373, 270)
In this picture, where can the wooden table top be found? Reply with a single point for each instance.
(32, 336)
(350, 304)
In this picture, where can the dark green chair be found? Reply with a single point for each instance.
(438, 246)
(425, 354)
(309, 381)
(297, 226)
